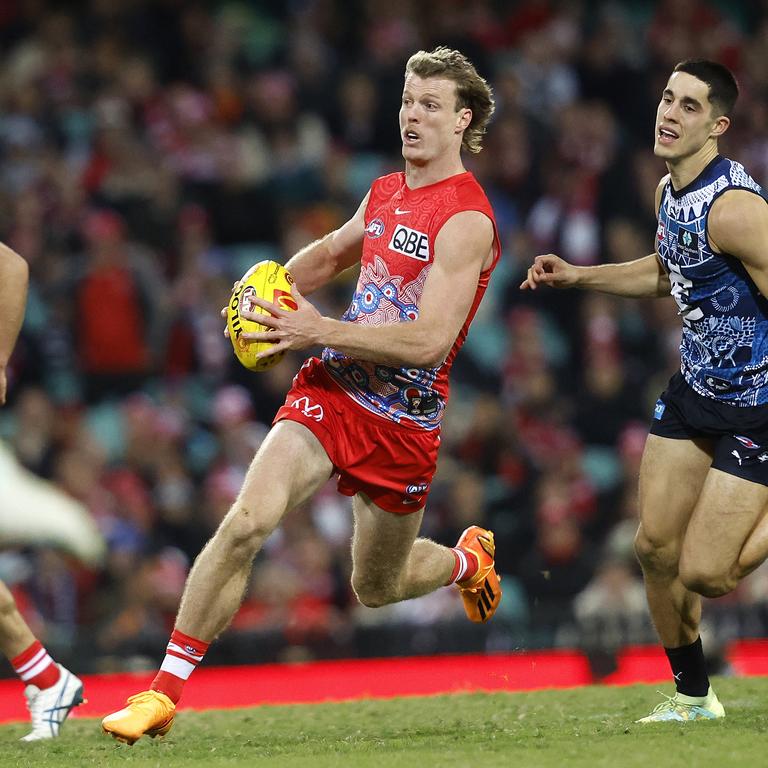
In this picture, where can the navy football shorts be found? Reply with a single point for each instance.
(740, 435)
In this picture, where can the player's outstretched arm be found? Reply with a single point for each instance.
(639, 278)
(14, 276)
(738, 225)
(462, 250)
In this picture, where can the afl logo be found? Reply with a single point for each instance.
(375, 228)
(246, 299)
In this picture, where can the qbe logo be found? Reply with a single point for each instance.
(411, 243)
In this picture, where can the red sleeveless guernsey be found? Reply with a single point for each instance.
(401, 226)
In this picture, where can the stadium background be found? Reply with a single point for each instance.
(151, 151)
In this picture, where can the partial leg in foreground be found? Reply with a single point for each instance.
(52, 691)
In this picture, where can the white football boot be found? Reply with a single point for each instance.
(49, 707)
(680, 708)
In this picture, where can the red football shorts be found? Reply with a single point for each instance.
(392, 464)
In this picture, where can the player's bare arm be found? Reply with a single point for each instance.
(14, 276)
(738, 225)
(640, 278)
(462, 249)
(317, 264)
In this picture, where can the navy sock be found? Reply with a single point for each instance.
(689, 668)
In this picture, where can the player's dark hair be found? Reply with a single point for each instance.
(723, 88)
(472, 91)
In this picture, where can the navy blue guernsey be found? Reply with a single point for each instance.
(724, 347)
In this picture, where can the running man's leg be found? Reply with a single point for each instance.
(722, 542)
(672, 475)
(391, 564)
(51, 690)
(289, 467)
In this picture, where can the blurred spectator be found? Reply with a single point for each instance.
(117, 310)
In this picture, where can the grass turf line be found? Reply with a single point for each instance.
(580, 728)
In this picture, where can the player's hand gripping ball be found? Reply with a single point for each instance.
(269, 281)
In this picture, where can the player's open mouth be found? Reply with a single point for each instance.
(667, 136)
(410, 137)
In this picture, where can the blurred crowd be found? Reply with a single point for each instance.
(152, 150)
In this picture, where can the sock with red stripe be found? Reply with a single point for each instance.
(182, 656)
(35, 667)
(465, 565)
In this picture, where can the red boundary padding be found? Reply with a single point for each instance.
(226, 687)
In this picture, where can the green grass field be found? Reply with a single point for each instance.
(585, 727)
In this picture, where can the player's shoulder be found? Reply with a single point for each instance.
(467, 212)
(467, 183)
(736, 204)
(468, 194)
(741, 191)
(737, 220)
(739, 178)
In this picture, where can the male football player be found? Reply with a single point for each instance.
(370, 409)
(704, 472)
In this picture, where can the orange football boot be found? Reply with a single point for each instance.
(482, 592)
(148, 712)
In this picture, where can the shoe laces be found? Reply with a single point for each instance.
(44, 718)
(672, 704)
(35, 707)
(145, 697)
(146, 701)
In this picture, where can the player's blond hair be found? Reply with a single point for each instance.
(472, 91)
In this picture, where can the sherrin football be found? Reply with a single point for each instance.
(269, 281)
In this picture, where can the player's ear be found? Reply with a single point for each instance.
(464, 118)
(720, 126)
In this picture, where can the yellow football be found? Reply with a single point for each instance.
(269, 281)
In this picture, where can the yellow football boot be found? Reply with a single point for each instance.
(482, 592)
(148, 712)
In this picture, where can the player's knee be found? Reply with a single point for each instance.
(244, 530)
(654, 554)
(373, 594)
